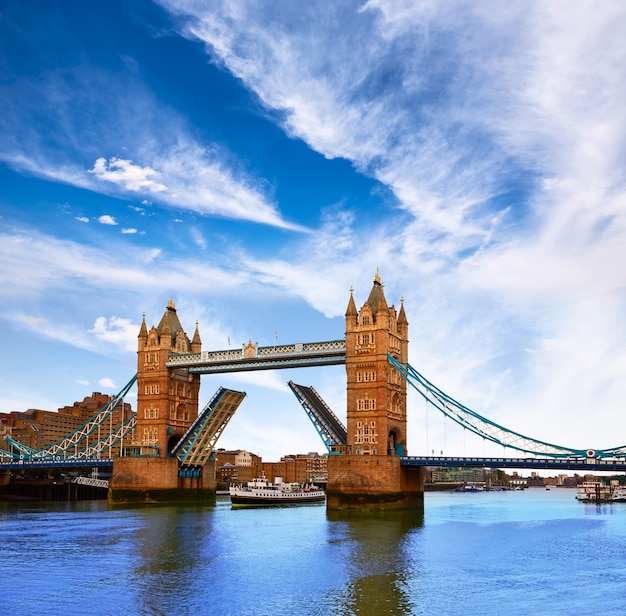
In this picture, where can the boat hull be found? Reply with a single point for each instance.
(282, 501)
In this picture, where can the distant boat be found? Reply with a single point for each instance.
(262, 493)
(470, 487)
(600, 492)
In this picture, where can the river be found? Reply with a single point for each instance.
(535, 551)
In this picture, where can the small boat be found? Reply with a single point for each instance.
(600, 492)
(262, 493)
(470, 487)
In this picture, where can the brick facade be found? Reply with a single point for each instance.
(376, 393)
(167, 398)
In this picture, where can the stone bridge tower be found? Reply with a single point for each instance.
(368, 475)
(167, 398)
(167, 405)
(376, 393)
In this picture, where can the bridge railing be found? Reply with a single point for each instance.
(252, 351)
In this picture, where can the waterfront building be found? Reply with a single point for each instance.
(301, 468)
(37, 428)
(240, 466)
(456, 474)
(237, 464)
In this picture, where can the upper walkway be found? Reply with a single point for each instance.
(252, 357)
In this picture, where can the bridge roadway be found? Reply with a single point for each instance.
(564, 464)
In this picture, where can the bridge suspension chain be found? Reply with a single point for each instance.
(68, 446)
(488, 429)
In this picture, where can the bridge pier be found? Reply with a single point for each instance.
(157, 480)
(357, 482)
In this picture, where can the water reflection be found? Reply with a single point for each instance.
(166, 552)
(378, 565)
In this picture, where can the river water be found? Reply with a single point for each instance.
(536, 552)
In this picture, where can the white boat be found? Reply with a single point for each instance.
(261, 493)
(600, 492)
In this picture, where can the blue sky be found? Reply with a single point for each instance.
(255, 160)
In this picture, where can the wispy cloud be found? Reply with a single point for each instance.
(116, 330)
(164, 162)
(500, 130)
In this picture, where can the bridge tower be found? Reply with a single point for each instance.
(167, 398)
(167, 405)
(368, 473)
(376, 393)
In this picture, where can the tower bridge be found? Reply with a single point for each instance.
(167, 444)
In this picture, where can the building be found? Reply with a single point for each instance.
(167, 398)
(240, 466)
(301, 468)
(237, 466)
(376, 400)
(39, 429)
(455, 474)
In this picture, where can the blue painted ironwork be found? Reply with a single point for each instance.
(490, 430)
(66, 463)
(565, 464)
(251, 357)
(68, 447)
(196, 445)
(327, 424)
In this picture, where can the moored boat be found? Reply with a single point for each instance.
(261, 493)
(600, 492)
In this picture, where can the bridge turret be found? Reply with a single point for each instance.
(351, 313)
(143, 332)
(196, 343)
(403, 334)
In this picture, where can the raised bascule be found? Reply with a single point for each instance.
(167, 445)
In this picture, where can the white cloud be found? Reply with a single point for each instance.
(82, 219)
(116, 330)
(107, 220)
(107, 383)
(129, 231)
(128, 175)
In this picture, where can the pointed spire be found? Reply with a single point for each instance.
(170, 321)
(196, 343)
(351, 311)
(143, 331)
(402, 320)
(377, 300)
